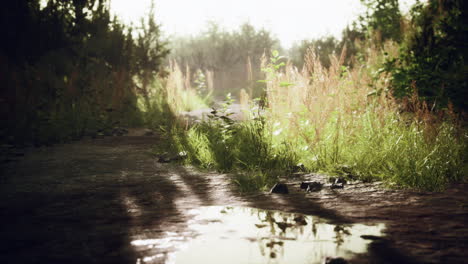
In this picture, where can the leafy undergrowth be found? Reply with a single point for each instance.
(398, 153)
(332, 121)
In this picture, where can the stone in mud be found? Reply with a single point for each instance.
(180, 156)
(311, 186)
(163, 159)
(272, 244)
(300, 220)
(331, 260)
(338, 183)
(337, 186)
(299, 168)
(119, 131)
(166, 158)
(280, 188)
(299, 174)
(371, 237)
(336, 180)
(283, 225)
(149, 132)
(314, 187)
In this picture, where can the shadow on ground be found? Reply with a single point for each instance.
(87, 201)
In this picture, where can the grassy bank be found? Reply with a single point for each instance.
(335, 120)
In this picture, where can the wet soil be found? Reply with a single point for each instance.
(89, 201)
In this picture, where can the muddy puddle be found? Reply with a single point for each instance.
(218, 234)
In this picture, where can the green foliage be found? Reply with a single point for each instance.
(391, 151)
(69, 70)
(233, 57)
(322, 47)
(382, 18)
(272, 68)
(150, 50)
(433, 59)
(245, 146)
(200, 82)
(225, 145)
(365, 138)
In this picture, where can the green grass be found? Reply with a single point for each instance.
(244, 146)
(395, 152)
(332, 122)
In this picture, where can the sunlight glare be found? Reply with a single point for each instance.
(290, 21)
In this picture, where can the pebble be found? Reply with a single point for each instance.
(280, 188)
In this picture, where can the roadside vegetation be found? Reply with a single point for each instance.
(331, 121)
(346, 114)
(386, 102)
(69, 69)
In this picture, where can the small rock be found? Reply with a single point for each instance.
(299, 168)
(180, 156)
(314, 187)
(337, 180)
(164, 160)
(338, 183)
(298, 174)
(331, 260)
(371, 237)
(337, 186)
(119, 131)
(149, 132)
(304, 185)
(283, 225)
(300, 220)
(272, 244)
(340, 180)
(311, 186)
(280, 188)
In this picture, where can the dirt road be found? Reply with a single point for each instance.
(109, 201)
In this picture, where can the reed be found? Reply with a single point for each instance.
(337, 120)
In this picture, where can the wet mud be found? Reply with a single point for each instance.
(108, 200)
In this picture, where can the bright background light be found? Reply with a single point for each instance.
(290, 20)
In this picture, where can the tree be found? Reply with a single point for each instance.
(434, 58)
(382, 18)
(68, 68)
(150, 50)
(322, 47)
(226, 54)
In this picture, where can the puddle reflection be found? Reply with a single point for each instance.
(248, 235)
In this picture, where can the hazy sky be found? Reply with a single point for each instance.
(289, 20)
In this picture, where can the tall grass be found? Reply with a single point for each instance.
(335, 120)
(168, 97)
(345, 121)
(246, 148)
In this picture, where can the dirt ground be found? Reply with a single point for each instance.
(86, 201)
